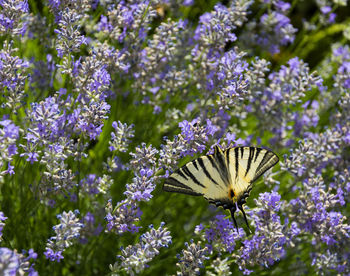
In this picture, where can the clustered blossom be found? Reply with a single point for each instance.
(315, 153)
(12, 12)
(13, 74)
(287, 88)
(232, 82)
(142, 186)
(90, 228)
(144, 157)
(123, 217)
(81, 7)
(270, 238)
(93, 185)
(313, 213)
(68, 35)
(217, 28)
(192, 259)
(221, 235)
(120, 139)
(2, 224)
(341, 56)
(14, 263)
(195, 136)
(327, 15)
(273, 29)
(66, 232)
(127, 212)
(134, 258)
(9, 133)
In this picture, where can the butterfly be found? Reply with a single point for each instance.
(224, 178)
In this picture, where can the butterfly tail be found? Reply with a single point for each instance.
(233, 210)
(240, 207)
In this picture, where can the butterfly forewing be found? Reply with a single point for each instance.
(186, 180)
(206, 175)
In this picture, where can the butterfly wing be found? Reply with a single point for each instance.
(206, 175)
(223, 178)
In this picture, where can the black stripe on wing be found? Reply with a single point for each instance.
(221, 169)
(180, 190)
(242, 152)
(193, 178)
(258, 150)
(236, 162)
(207, 174)
(227, 155)
(250, 159)
(179, 172)
(173, 185)
(220, 159)
(195, 164)
(268, 161)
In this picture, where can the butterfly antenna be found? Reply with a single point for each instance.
(240, 207)
(232, 210)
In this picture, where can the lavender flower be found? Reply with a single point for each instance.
(90, 228)
(268, 243)
(220, 267)
(221, 235)
(327, 17)
(58, 6)
(144, 157)
(69, 38)
(231, 80)
(197, 84)
(194, 136)
(121, 138)
(341, 56)
(310, 211)
(315, 153)
(142, 186)
(134, 258)
(93, 185)
(66, 232)
(192, 259)
(217, 27)
(129, 23)
(2, 224)
(13, 263)
(13, 74)
(11, 16)
(122, 217)
(287, 88)
(273, 30)
(9, 262)
(9, 133)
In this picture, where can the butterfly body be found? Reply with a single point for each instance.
(224, 178)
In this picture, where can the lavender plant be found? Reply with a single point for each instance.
(102, 100)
